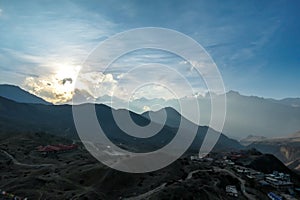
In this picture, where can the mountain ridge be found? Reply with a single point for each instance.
(58, 120)
(20, 95)
(246, 115)
(285, 101)
(286, 149)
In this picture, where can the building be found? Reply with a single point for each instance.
(279, 184)
(274, 196)
(56, 148)
(279, 181)
(231, 190)
(258, 175)
(195, 158)
(229, 162)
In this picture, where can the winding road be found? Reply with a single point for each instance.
(162, 186)
(157, 189)
(16, 162)
(189, 176)
(243, 187)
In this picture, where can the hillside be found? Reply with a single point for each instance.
(267, 163)
(17, 94)
(58, 120)
(77, 175)
(287, 149)
(246, 115)
(174, 119)
(295, 164)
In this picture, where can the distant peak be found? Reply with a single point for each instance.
(168, 110)
(232, 92)
(254, 138)
(11, 86)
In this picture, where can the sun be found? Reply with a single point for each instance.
(67, 71)
(64, 80)
(56, 87)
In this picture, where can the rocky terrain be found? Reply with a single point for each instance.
(76, 174)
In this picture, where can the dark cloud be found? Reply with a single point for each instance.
(65, 80)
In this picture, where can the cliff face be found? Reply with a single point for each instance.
(285, 149)
(292, 156)
(295, 164)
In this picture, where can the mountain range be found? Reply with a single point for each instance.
(246, 115)
(22, 111)
(19, 95)
(58, 120)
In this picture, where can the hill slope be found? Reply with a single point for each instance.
(174, 119)
(287, 149)
(58, 120)
(17, 94)
(246, 115)
(77, 175)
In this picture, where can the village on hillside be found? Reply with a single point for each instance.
(276, 185)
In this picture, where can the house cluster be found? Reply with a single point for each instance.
(201, 158)
(276, 181)
(279, 181)
(56, 148)
(7, 195)
(250, 174)
(221, 159)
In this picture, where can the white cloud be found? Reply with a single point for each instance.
(97, 83)
(153, 91)
(60, 87)
(57, 88)
(48, 88)
(39, 44)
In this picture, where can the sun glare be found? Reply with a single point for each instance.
(64, 80)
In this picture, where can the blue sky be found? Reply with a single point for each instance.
(255, 44)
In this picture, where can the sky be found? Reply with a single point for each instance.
(255, 45)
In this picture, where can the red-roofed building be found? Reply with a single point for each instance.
(56, 148)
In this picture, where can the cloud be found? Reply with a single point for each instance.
(97, 83)
(49, 89)
(58, 89)
(66, 80)
(36, 41)
(121, 79)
